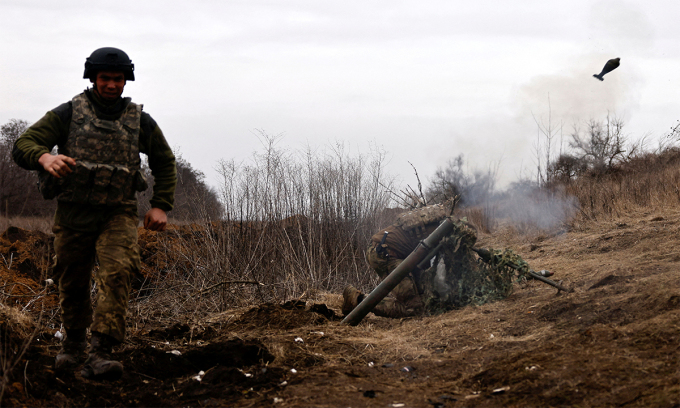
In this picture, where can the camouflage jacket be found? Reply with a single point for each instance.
(53, 130)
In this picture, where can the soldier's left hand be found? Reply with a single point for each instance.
(155, 220)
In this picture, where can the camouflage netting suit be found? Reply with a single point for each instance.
(389, 247)
(96, 219)
(457, 277)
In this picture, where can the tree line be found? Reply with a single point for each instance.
(594, 147)
(19, 195)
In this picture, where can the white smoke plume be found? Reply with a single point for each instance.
(574, 95)
(530, 207)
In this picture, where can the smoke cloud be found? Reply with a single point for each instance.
(575, 95)
(525, 206)
(617, 29)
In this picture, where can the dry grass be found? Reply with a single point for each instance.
(650, 182)
(296, 229)
(17, 330)
(617, 330)
(42, 224)
(295, 224)
(482, 218)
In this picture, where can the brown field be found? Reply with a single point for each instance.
(614, 341)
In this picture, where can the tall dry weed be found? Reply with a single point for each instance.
(481, 217)
(650, 181)
(295, 223)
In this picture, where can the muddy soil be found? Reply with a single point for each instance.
(613, 341)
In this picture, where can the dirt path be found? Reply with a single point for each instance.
(614, 341)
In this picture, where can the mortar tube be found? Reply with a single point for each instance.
(398, 274)
(424, 263)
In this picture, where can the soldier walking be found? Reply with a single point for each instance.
(95, 177)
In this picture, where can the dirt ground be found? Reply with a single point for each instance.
(614, 341)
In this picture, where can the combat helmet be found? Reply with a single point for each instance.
(109, 59)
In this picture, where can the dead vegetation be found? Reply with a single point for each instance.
(245, 311)
(649, 181)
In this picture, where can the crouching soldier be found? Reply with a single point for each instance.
(388, 248)
(95, 177)
(460, 274)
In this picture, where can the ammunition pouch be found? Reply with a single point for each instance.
(94, 184)
(48, 185)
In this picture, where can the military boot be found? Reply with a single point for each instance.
(99, 365)
(72, 351)
(351, 298)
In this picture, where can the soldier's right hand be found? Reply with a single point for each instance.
(58, 166)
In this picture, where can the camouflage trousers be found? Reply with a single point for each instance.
(404, 299)
(115, 249)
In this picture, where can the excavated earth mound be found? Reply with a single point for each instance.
(613, 341)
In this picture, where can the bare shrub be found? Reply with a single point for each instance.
(294, 223)
(545, 146)
(473, 191)
(565, 184)
(473, 187)
(565, 169)
(601, 144)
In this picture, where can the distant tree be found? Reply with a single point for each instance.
(11, 131)
(451, 181)
(565, 169)
(548, 130)
(448, 181)
(601, 144)
(19, 194)
(194, 199)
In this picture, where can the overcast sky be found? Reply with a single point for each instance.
(423, 80)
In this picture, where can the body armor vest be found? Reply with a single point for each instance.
(107, 159)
